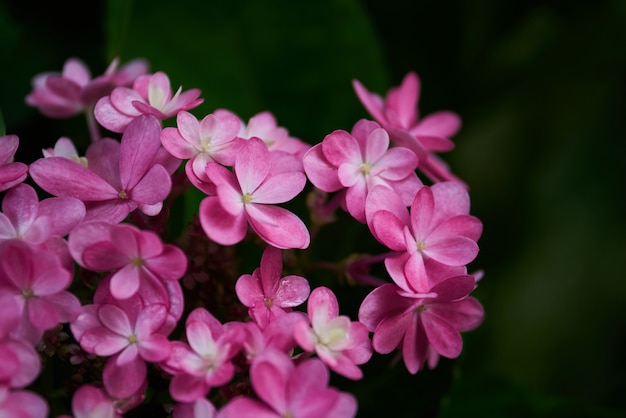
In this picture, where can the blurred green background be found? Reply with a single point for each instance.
(540, 87)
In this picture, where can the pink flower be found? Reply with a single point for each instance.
(266, 294)
(288, 390)
(121, 176)
(340, 343)
(263, 125)
(22, 404)
(92, 402)
(137, 256)
(277, 335)
(20, 363)
(439, 228)
(359, 161)
(423, 325)
(212, 139)
(11, 173)
(36, 279)
(65, 94)
(24, 216)
(151, 95)
(398, 113)
(206, 361)
(248, 195)
(132, 337)
(64, 147)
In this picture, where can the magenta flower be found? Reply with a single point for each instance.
(151, 95)
(24, 216)
(22, 404)
(420, 323)
(439, 229)
(340, 343)
(11, 173)
(136, 256)
(36, 279)
(205, 362)
(132, 338)
(359, 161)
(121, 176)
(277, 335)
(65, 94)
(266, 294)
(288, 390)
(248, 195)
(212, 139)
(201, 408)
(398, 113)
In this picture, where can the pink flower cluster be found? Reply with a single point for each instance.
(90, 258)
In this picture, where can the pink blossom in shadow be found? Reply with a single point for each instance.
(151, 94)
(11, 172)
(72, 91)
(36, 279)
(268, 295)
(339, 342)
(422, 325)
(121, 177)
(248, 195)
(92, 402)
(201, 408)
(137, 257)
(285, 389)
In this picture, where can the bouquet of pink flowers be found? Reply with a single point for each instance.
(104, 277)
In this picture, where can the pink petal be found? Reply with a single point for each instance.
(444, 338)
(279, 188)
(125, 283)
(42, 314)
(188, 388)
(140, 143)
(242, 407)
(110, 117)
(60, 176)
(442, 123)
(323, 296)
(389, 230)
(154, 349)
(340, 147)
(176, 145)
(270, 270)
(123, 382)
(286, 231)
(251, 165)
(452, 251)
(269, 376)
(64, 213)
(219, 225)
(292, 291)
(171, 264)
(20, 205)
(154, 186)
(319, 171)
(403, 100)
(372, 102)
(248, 290)
(103, 256)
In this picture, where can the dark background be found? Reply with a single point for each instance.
(540, 89)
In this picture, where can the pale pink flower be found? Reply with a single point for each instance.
(151, 95)
(24, 216)
(22, 404)
(266, 294)
(36, 279)
(64, 147)
(439, 228)
(264, 125)
(358, 161)
(339, 342)
(65, 94)
(132, 337)
(248, 195)
(137, 256)
(398, 113)
(206, 361)
(422, 325)
(288, 390)
(11, 173)
(211, 139)
(121, 176)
